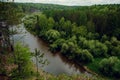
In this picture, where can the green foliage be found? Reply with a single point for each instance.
(67, 27)
(22, 57)
(51, 23)
(10, 12)
(84, 56)
(113, 46)
(56, 46)
(42, 22)
(116, 51)
(114, 41)
(94, 65)
(71, 77)
(52, 35)
(80, 31)
(90, 36)
(69, 48)
(29, 24)
(104, 38)
(82, 18)
(103, 19)
(39, 59)
(84, 34)
(97, 48)
(110, 66)
(90, 26)
(61, 24)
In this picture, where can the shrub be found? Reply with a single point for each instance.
(52, 35)
(22, 57)
(97, 48)
(116, 51)
(110, 67)
(56, 46)
(84, 56)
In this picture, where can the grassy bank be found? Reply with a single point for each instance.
(47, 76)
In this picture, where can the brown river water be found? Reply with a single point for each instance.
(58, 64)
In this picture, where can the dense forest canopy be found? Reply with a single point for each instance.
(88, 35)
(104, 18)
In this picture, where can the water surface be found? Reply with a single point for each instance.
(57, 63)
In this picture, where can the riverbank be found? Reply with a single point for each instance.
(58, 64)
(46, 76)
(82, 67)
(77, 43)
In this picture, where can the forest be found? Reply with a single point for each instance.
(87, 35)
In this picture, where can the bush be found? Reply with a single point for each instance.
(69, 48)
(110, 67)
(97, 48)
(22, 57)
(116, 51)
(114, 41)
(104, 38)
(52, 35)
(84, 56)
(56, 46)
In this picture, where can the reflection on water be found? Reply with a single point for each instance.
(57, 63)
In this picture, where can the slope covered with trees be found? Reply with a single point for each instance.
(88, 35)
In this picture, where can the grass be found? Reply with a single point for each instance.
(46, 76)
(94, 66)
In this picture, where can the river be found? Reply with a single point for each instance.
(57, 63)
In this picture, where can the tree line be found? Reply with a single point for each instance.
(103, 19)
